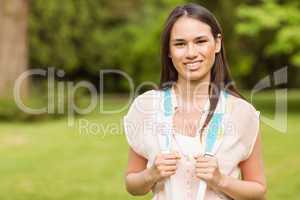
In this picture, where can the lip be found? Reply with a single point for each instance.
(192, 66)
(192, 62)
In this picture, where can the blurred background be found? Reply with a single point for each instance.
(44, 157)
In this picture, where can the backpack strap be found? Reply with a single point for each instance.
(214, 137)
(216, 126)
(166, 143)
(166, 140)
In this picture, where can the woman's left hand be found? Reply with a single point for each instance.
(207, 169)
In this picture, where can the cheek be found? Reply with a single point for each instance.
(177, 55)
(209, 53)
(208, 50)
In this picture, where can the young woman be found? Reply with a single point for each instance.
(211, 132)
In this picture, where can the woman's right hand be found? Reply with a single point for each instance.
(164, 166)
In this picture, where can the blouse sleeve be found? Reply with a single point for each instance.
(247, 125)
(136, 123)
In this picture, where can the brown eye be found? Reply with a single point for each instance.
(179, 44)
(201, 41)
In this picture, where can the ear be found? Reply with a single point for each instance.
(169, 55)
(218, 43)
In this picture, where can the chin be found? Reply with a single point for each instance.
(196, 76)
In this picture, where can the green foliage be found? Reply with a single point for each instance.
(74, 34)
(83, 37)
(280, 21)
(93, 35)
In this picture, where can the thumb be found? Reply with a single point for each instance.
(177, 154)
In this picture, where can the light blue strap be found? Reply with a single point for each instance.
(214, 127)
(213, 132)
(167, 102)
(210, 143)
(166, 145)
(168, 110)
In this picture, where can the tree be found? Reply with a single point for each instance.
(270, 30)
(13, 47)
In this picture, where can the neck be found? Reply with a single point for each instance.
(192, 93)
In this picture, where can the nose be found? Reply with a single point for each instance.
(191, 52)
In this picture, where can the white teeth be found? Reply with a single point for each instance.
(192, 65)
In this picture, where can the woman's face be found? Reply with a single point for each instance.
(193, 49)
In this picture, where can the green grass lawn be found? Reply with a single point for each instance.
(49, 160)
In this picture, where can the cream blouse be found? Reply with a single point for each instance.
(142, 126)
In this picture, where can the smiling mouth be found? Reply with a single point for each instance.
(193, 66)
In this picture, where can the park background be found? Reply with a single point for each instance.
(44, 158)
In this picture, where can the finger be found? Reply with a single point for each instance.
(165, 162)
(213, 162)
(201, 165)
(198, 156)
(204, 170)
(170, 168)
(170, 156)
(210, 162)
(169, 162)
(167, 167)
(167, 173)
(201, 159)
(205, 177)
(205, 165)
(177, 155)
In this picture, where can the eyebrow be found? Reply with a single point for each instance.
(182, 40)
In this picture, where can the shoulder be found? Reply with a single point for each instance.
(138, 122)
(147, 97)
(146, 104)
(242, 125)
(244, 118)
(245, 123)
(242, 107)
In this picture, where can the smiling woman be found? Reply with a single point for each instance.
(193, 49)
(195, 137)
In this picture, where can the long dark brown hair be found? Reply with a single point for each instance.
(220, 73)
